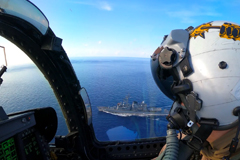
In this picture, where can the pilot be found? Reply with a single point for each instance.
(198, 68)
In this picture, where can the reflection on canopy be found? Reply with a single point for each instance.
(27, 11)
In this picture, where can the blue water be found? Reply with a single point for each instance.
(108, 81)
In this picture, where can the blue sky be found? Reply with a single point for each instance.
(127, 28)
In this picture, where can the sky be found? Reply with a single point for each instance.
(123, 28)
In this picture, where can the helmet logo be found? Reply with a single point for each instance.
(227, 30)
(230, 31)
(200, 30)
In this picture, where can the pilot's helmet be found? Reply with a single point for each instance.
(208, 59)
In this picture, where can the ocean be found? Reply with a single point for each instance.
(108, 81)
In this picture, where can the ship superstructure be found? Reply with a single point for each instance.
(134, 109)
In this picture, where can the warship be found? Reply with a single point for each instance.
(125, 109)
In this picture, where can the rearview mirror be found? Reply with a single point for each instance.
(87, 104)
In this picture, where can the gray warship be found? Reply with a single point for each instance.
(135, 109)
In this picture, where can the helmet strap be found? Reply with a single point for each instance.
(199, 137)
(192, 104)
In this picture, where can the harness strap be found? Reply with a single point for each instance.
(234, 142)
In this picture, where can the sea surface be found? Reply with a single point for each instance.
(108, 81)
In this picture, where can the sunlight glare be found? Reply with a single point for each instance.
(14, 55)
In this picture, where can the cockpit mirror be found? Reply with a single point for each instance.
(5, 58)
(25, 10)
(87, 104)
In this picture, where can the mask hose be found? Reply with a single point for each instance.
(172, 146)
